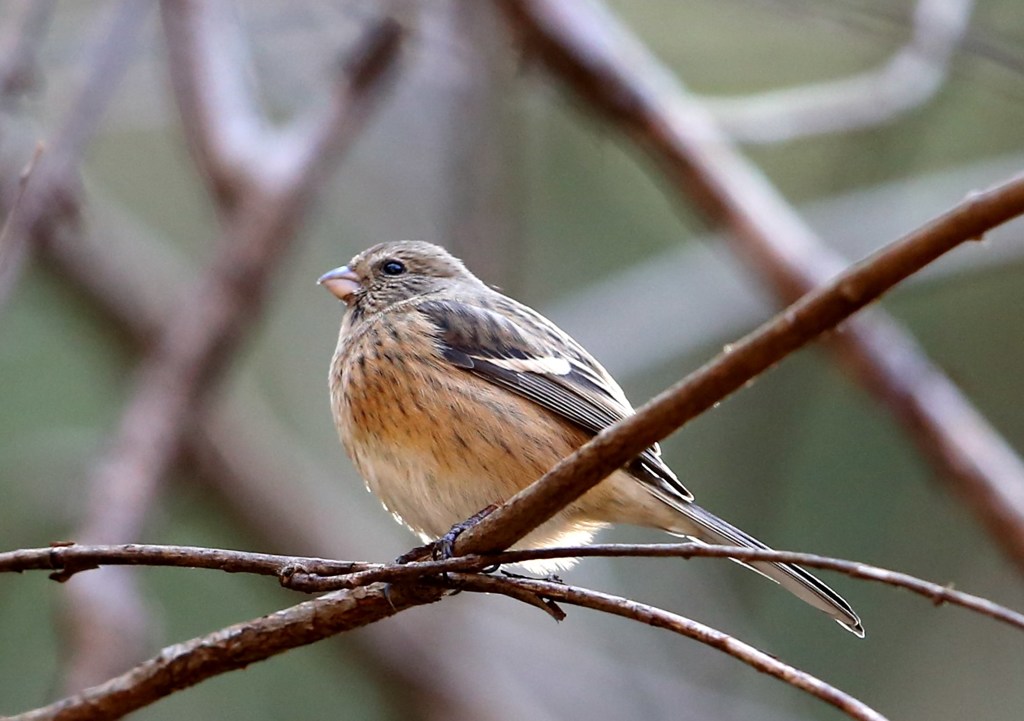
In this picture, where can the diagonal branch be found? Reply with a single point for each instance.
(607, 67)
(186, 664)
(812, 315)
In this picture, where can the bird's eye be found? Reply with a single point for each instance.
(393, 267)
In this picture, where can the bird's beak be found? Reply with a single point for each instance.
(342, 282)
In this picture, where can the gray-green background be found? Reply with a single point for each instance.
(474, 144)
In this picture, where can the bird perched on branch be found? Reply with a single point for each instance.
(450, 397)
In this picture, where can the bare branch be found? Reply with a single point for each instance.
(237, 150)
(589, 50)
(658, 618)
(186, 664)
(65, 560)
(812, 315)
(319, 575)
(937, 594)
(400, 587)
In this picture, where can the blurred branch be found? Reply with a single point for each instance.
(226, 133)
(45, 204)
(908, 80)
(197, 342)
(595, 56)
(239, 153)
(692, 298)
(482, 167)
(16, 211)
(659, 618)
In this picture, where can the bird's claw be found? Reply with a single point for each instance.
(444, 547)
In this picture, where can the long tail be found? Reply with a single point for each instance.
(713, 530)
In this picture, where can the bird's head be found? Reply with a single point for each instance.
(389, 273)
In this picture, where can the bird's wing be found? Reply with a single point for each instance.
(516, 348)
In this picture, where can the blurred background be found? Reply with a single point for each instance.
(474, 146)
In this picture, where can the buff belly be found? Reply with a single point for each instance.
(436, 444)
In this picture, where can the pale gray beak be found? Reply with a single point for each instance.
(342, 282)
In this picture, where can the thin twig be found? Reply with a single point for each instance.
(658, 618)
(587, 48)
(393, 573)
(320, 575)
(67, 559)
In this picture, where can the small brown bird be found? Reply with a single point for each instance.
(450, 397)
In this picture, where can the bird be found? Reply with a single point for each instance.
(450, 397)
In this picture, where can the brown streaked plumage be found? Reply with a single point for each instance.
(449, 396)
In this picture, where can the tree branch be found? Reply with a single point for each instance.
(658, 618)
(320, 575)
(818, 311)
(586, 47)
(186, 664)
(397, 587)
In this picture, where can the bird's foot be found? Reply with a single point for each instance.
(444, 547)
